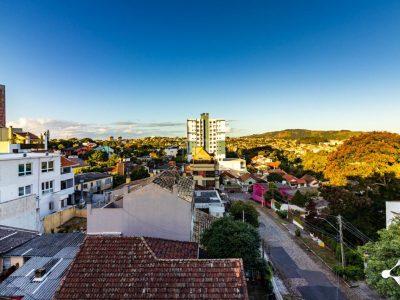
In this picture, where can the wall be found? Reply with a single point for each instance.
(149, 211)
(59, 218)
(20, 213)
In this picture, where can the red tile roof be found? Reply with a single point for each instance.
(65, 162)
(109, 267)
(172, 249)
(293, 179)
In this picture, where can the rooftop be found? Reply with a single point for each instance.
(131, 267)
(11, 237)
(207, 196)
(12, 156)
(53, 254)
(47, 245)
(169, 178)
(86, 177)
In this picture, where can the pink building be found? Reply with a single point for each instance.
(259, 189)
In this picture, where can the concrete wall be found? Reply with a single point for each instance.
(149, 211)
(51, 222)
(20, 213)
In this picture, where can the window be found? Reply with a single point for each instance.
(65, 170)
(24, 190)
(51, 205)
(47, 187)
(108, 180)
(62, 203)
(66, 184)
(24, 169)
(47, 166)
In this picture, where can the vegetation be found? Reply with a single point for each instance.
(315, 163)
(282, 213)
(228, 238)
(374, 155)
(250, 213)
(384, 255)
(139, 173)
(309, 136)
(299, 199)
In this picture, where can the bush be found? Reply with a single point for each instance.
(297, 232)
(350, 272)
(282, 213)
(250, 213)
(277, 205)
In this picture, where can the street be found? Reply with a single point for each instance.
(303, 276)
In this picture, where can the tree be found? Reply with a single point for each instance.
(273, 193)
(383, 255)
(315, 162)
(118, 180)
(97, 157)
(370, 155)
(139, 173)
(228, 238)
(274, 177)
(299, 199)
(250, 213)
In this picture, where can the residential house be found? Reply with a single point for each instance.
(42, 263)
(209, 201)
(11, 238)
(171, 151)
(293, 181)
(33, 185)
(311, 181)
(79, 163)
(112, 267)
(93, 182)
(259, 189)
(234, 164)
(204, 168)
(247, 180)
(106, 149)
(161, 206)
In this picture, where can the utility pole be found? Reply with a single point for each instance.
(243, 215)
(339, 218)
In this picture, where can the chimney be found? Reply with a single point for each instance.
(39, 273)
(2, 106)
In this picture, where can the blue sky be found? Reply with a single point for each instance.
(138, 68)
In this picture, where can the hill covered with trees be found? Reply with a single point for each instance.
(308, 136)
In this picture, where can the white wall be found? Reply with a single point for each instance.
(10, 180)
(20, 213)
(149, 211)
(392, 207)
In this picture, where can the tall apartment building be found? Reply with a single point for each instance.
(2, 106)
(207, 133)
(32, 186)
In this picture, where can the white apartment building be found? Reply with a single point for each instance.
(46, 177)
(207, 133)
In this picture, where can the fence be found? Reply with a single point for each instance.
(53, 221)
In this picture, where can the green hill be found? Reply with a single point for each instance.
(308, 135)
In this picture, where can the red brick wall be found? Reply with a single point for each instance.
(2, 106)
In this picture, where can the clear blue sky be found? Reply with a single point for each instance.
(134, 68)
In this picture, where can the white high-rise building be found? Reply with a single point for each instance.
(32, 186)
(207, 133)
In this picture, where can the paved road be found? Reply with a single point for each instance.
(305, 278)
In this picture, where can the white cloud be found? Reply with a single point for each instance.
(69, 129)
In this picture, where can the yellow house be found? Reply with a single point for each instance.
(204, 168)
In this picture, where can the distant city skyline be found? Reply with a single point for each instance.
(133, 69)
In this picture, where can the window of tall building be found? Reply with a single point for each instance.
(47, 166)
(24, 169)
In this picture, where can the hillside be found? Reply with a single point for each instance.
(308, 135)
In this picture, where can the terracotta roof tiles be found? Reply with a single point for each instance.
(127, 268)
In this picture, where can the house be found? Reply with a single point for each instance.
(277, 171)
(204, 168)
(259, 189)
(79, 164)
(171, 151)
(113, 267)
(93, 182)
(293, 181)
(392, 211)
(11, 238)
(210, 201)
(32, 186)
(236, 164)
(311, 181)
(106, 149)
(248, 179)
(230, 182)
(161, 206)
(42, 263)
